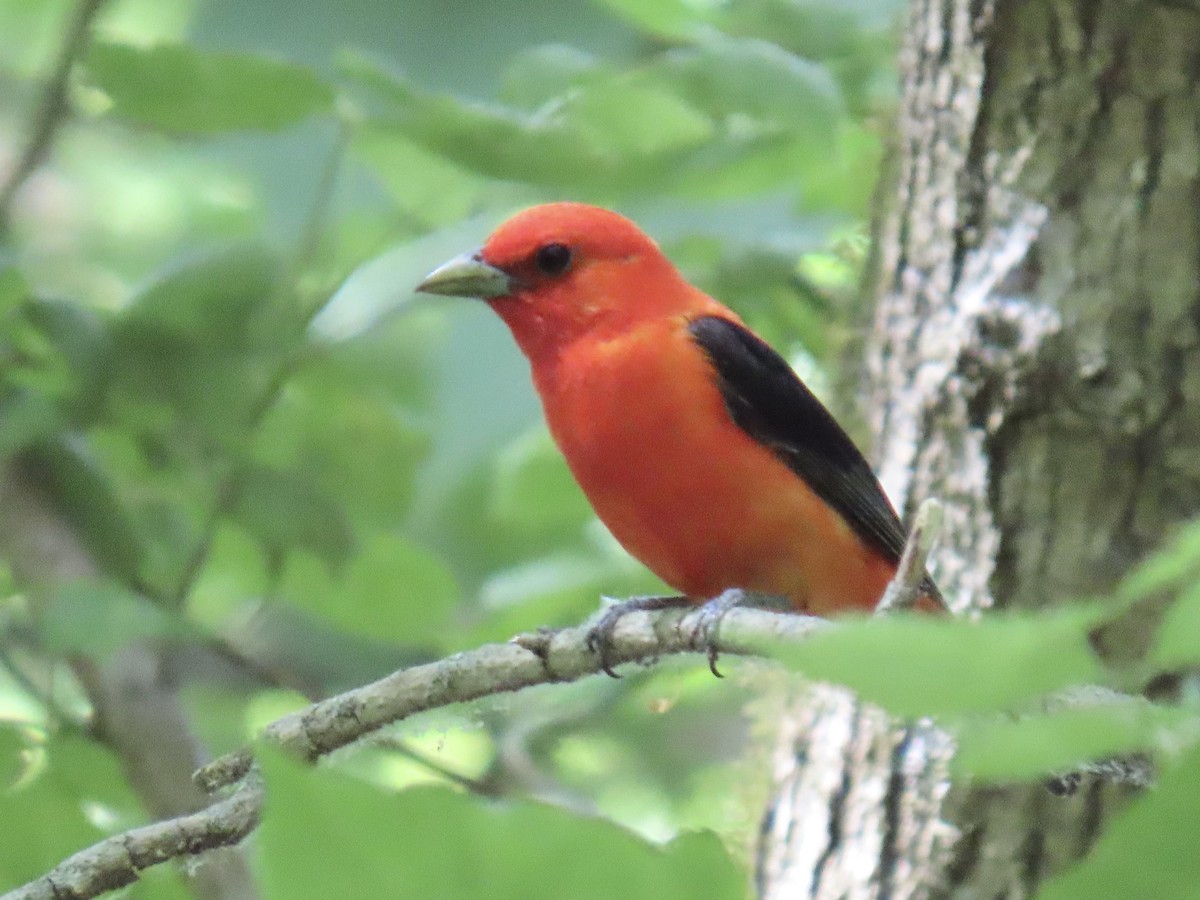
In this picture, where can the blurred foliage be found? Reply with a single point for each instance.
(924, 666)
(1025, 698)
(454, 847)
(213, 364)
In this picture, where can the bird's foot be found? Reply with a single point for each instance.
(715, 610)
(600, 636)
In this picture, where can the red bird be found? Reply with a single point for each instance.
(696, 443)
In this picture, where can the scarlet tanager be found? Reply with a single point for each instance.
(698, 446)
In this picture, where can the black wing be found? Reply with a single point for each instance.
(771, 404)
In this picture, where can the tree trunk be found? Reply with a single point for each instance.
(1034, 362)
(136, 708)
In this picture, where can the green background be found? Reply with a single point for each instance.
(213, 360)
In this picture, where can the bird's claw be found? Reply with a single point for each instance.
(708, 623)
(712, 613)
(599, 639)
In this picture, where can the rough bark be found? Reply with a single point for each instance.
(1033, 363)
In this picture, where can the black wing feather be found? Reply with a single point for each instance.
(771, 404)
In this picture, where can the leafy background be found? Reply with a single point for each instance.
(213, 362)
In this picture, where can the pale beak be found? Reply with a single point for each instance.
(467, 276)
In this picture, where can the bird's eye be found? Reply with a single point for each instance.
(553, 259)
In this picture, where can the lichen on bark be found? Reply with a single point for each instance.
(1032, 362)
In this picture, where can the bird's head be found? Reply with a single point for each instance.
(563, 270)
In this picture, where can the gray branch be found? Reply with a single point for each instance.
(542, 657)
(119, 860)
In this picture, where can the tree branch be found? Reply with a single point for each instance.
(120, 860)
(52, 108)
(542, 657)
(904, 589)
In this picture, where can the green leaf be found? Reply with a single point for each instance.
(924, 666)
(370, 304)
(182, 90)
(51, 809)
(550, 589)
(1150, 848)
(833, 181)
(234, 570)
(78, 361)
(393, 590)
(625, 121)
(1034, 746)
(533, 489)
(13, 290)
(740, 166)
(55, 356)
(52, 826)
(83, 492)
(27, 417)
(1179, 633)
(487, 138)
(400, 591)
(444, 193)
(214, 299)
(542, 74)
(559, 586)
(195, 351)
(853, 36)
(432, 842)
(755, 80)
(96, 617)
(285, 511)
(620, 131)
(1175, 564)
(358, 450)
(669, 19)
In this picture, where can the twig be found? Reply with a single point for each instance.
(905, 587)
(1136, 770)
(537, 658)
(541, 657)
(52, 108)
(279, 677)
(120, 860)
(471, 785)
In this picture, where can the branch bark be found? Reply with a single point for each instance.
(543, 657)
(119, 860)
